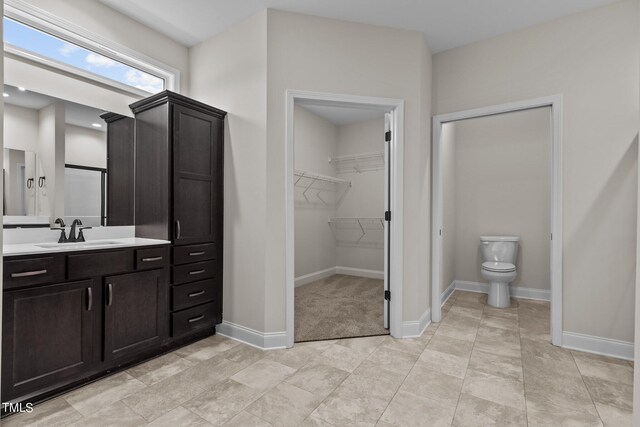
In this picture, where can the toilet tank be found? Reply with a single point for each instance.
(499, 248)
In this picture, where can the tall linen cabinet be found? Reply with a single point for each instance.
(179, 159)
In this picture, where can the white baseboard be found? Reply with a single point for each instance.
(261, 340)
(415, 328)
(447, 293)
(360, 272)
(598, 345)
(515, 291)
(312, 277)
(349, 271)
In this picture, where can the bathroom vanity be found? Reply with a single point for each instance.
(74, 312)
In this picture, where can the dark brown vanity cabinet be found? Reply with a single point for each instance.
(70, 317)
(120, 169)
(135, 313)
(179, 197)
(47, 336)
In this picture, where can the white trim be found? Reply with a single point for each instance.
(360, 272)
(396, 107)
(447, 293)
(261, 340)
(598, 345)
(43, 20)
(555, 102)
(515, 291)
(316, 275)
(415, 328)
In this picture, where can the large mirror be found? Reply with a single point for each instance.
(55, 161)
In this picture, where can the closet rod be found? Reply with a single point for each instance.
(305, 174)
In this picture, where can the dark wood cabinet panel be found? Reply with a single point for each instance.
(47, 336)
(192, 319)
(120, 169)
(193, 253)
(191, 294)
(153, 182)
(193, 272)
(135, 313)
(150, 258)
(33, 271)
(95, 264)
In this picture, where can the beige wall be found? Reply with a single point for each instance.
(310, 53)
(306, 53)
(592, 59)
(448, 159)
(85, 147)
(636, 372)
(229, 71)
(365, 198)
(315, 140)
(502, 187)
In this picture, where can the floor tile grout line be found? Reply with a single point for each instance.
(467, 369)
(585, 386)
(524, 384)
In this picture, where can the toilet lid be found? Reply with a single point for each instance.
(500, 267)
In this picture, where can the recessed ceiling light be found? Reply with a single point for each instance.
(96, 125)
(21, 89)
(5, 94)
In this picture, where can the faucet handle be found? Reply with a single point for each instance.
(81, 234)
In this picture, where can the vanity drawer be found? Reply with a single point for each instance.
(83, 266)
(192, 272)
(33, 271)
(185, 296)
(193, 253)
(192, 319)
(150, 258)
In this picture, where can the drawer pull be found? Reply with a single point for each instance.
(195, 319)
(29, 273)
(89, 299)
(195, 294)
(193, 273)
(155, 258)
(109, 294)
(196, 253)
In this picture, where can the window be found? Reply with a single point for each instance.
(35, 35)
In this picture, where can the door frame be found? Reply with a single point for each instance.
(396, 108)
(555, 102)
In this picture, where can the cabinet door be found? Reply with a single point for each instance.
(120, 168)
(47, 337)
(197, 185)
(135, 314)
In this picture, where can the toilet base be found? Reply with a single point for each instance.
(499, 295)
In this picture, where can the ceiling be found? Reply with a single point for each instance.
(445, 23)
(75, 114)
(343, 115)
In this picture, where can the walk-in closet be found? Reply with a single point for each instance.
(339, 194)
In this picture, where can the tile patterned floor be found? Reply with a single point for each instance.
(479, 366)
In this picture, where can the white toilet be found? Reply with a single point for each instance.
(499, 266)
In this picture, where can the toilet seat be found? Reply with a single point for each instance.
(498, 267)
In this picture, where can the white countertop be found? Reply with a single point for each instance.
(90, 245)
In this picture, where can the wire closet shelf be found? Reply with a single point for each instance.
(358, 163)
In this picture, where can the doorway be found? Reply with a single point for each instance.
(554, 106)
(324, 209)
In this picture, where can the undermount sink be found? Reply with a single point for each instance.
(77, 245)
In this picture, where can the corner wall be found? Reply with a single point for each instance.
(592, 59)
(310, 53)
(229, 71)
